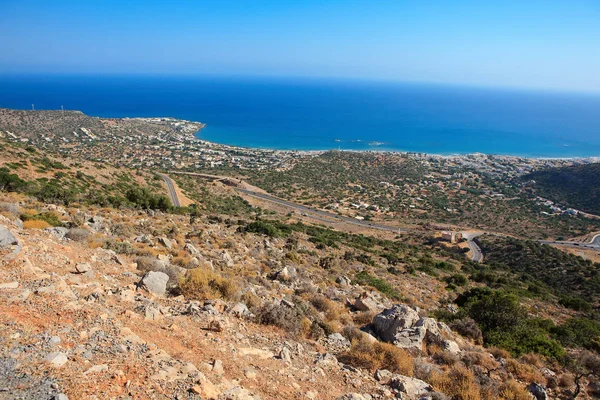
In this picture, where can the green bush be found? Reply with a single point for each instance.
(579, 332)
(49, 217)
(364, 278)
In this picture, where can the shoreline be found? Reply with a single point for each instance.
(394, 152)
(194, 135)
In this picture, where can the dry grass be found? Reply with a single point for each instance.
(35, 224)
(499, 353)
(458, 383)
(203, 284)
(377, 355)
(525, 372)
(511, 390)
(364, 317)
(331, 309)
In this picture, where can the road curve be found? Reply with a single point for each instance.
(476, 253)
(171, 187)
(322, 215)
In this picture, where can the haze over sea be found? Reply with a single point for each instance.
(305, 114)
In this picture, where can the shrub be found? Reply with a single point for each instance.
(287, 318)
(364, 353)
(579, 332)
(467, 327)
(202, 283)
(323, 304)
(78, 234)
(119, 247)
(49, 217)
(511, 390)
(36, 224)
(525, 372)
(364, 278)
(458, 383)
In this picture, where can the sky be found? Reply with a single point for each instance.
(548, 44)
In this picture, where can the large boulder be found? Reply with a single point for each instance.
(538, 391)
(7, 239)
(367, 302)
(390, 322)
(154, 282)
(413, 388)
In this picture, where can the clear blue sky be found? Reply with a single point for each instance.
(552, 44)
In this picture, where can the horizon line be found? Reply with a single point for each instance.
(279, 77)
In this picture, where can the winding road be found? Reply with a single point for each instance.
(171, 187)
(329, 218)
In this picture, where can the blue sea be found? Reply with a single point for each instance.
(305, 114)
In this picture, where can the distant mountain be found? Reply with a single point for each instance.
(577, 186)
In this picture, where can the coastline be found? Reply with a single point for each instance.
(192, 130)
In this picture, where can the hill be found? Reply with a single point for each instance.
(576, 186)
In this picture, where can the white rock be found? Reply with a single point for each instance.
(57, 359)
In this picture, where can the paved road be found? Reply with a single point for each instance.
(594, 244)
(322, 215)
(171, 187)
(476, 253)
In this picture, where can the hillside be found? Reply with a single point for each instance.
(575, 186)
(106, 286)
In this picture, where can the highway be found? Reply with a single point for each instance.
(322, 215)
(594, 244)
(171, 187)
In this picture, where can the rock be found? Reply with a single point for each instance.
(215, 326)
(9, 285)
(165, 242)
(217, 367)
(57, 231)
(96, 369)
(240, 310)
(54, 340)
(410, 338)
(238, 393)
(337, 340)
(351, 396)
(7, 239)
(152, 313)
(382, 375)
(82, 268)
(60, 396)
(366, 302)
(57, 359)
(412, 387)
(538, 391)
(191, 249)
(250, 373)
(262, 354)
(285, 354)
(226, 258)
(391, 321)
(433, 329)
(154, 282)
(283, 275)
(209, 391)
(326, 358)
(343, 281)
(451, 346)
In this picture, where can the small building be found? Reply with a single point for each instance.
(452, 237)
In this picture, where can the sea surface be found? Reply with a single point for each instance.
(304, 114)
